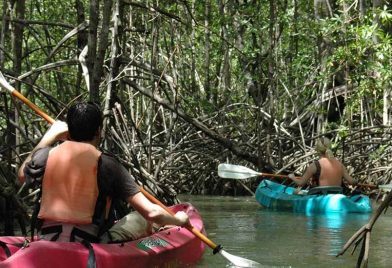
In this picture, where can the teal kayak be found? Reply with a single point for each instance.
(281, 197)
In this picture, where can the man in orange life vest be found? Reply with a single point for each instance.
(78, 183)
(327, 171)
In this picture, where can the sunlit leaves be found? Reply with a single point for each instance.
(385, 15)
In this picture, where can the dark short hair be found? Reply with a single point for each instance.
(84, 119)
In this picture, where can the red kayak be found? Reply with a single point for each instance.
(174, 247)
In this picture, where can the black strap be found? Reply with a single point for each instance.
(5, 248)
(110, 238)
(56, 229)
(91, 261)
(324, 190)
(35, 223)
(316, 176)
(76, 232)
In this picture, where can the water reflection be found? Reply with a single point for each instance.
(284, 239)
(329, 231)
(301, 240)
(334, 220)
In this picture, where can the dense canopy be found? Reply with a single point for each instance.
(186, 85)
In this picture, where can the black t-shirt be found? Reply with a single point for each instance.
(113, 179)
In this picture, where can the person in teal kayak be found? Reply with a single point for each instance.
(79, 185)
(326, 171)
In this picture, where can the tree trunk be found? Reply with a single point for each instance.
(4, 25)
(81, 42)
(113, 64)
(102, 47)
(17, 49)
(193, 65)
(207, 87)
(92, 46)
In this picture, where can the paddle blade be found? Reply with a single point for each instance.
(4, 84)
(238, 261)
(229, 171)
(385, 187)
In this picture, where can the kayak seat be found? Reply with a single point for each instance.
(323, 190)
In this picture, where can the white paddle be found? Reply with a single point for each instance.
(229, 171)
(4, 84)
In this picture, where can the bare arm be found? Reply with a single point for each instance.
(309, 172)
(58, 131)
(347, 177)
(155, 213)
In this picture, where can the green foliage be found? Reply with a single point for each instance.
(360, 55)
(385, 15)
(288, 52)
(377, 154)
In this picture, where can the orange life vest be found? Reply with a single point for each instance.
(69, 187)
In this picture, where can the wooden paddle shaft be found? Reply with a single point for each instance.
(364, 185)
(18, 95)
(274, 175)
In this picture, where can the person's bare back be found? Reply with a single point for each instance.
(331, 173)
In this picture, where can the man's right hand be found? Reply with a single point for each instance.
(183, 218)
(58, 131)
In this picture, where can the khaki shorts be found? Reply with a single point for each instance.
(131, 227)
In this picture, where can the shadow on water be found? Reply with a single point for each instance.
(285, 239)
